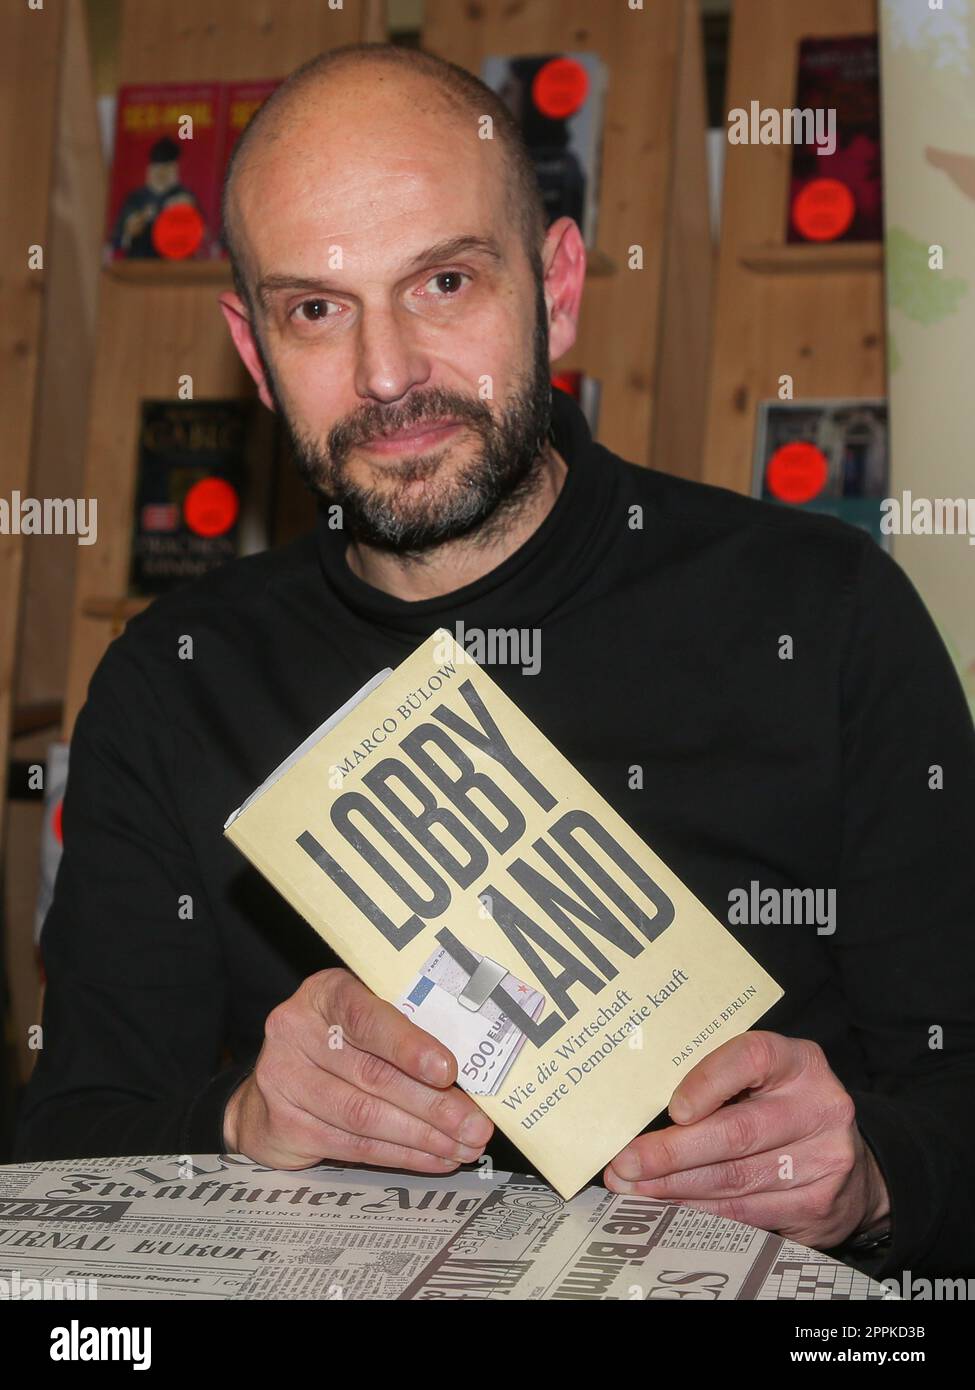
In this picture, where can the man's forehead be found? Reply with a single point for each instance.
(371, 169)
(382, 175)
(373, 222)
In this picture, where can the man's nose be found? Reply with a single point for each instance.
(389, 360)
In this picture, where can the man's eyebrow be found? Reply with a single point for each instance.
(453, 247)
(448, 250)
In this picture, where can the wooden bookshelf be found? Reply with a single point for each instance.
(814, 312)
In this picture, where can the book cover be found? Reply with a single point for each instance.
(164, 190)
(242, 99)
(836, 195)
(825, 456)
(202, 489)
(465, 871)
(557, 100)
(586, 391)
(52, 844)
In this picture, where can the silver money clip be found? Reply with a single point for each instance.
(481, 984)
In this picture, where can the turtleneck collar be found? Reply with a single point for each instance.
(524, 588)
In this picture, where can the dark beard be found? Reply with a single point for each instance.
(492, 487)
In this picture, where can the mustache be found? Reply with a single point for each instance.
(432, 406)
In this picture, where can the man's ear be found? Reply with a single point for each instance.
(564, 262)
(239, 323)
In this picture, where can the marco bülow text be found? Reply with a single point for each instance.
(50, 516)
(424, 810)
(415, 700)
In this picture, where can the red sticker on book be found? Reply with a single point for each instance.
(177, 231)
(823, 209)
(560, 88)
(56, 822)
(797, 472)
(211, 506)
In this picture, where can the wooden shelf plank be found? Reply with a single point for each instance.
(812, 258)
(150, 272)
(118, 609)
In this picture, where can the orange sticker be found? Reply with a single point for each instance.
(560, 88)
(211, 506)
(797, 472)
(823, 209)
(56, 822)
(177, 231)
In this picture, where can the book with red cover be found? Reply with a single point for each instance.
(838, 196)
(164, 192)
(241, 100)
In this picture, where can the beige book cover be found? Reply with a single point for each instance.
(465, 871)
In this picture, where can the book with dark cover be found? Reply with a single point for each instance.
(837, 195)
(557, 100)
(202, 488)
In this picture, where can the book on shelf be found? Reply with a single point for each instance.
(586, 390)
(557, 101)
(825, 456)
(203, 488)
(163, 199)
(171, 147)
(835, 190)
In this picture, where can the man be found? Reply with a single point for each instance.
(399, 303)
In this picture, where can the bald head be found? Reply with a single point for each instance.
(376, 95)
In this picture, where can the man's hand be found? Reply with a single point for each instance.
(135, 222)
(786, 1157)
(343, 1075)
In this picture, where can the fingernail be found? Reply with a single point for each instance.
(467, 1154)
(680, 1110)
(627, 1165)
(433, 1068)
(476, 1129)
(623, 1188)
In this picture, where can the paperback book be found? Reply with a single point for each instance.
(466, 872)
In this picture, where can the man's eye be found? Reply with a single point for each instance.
(446, 283)
(312, 310)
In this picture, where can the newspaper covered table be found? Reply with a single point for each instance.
(221, 1227)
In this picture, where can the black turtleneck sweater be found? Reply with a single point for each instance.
(661, 606)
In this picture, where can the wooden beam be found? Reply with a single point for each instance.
(30, 48)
